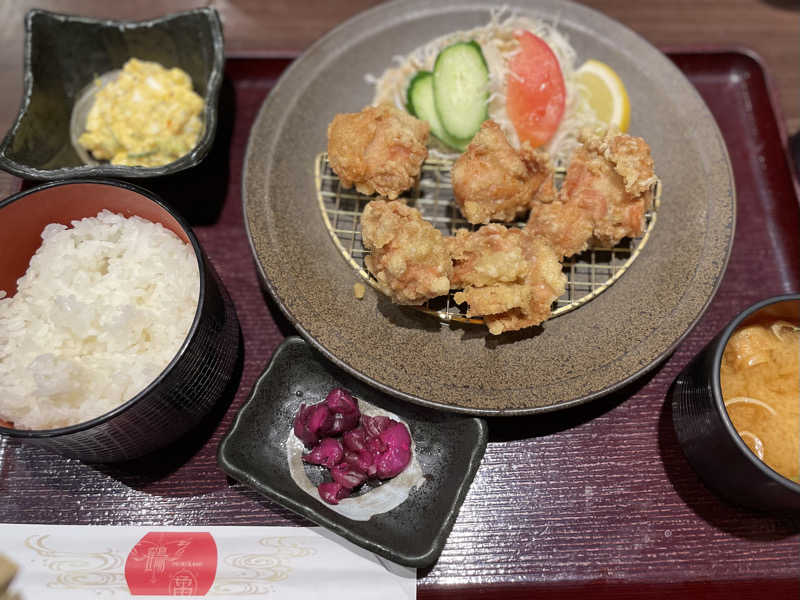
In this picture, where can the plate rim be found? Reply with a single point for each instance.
(443, 8)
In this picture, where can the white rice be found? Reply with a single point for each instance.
(102, 309)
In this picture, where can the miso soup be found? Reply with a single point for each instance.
(760, 381)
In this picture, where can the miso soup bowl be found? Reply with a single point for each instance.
(707, 436)
(196, 378)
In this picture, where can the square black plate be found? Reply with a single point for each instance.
(65, 53)
(449, 448)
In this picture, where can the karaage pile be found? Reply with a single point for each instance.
(378, 150)
(408, 258)
(509, 276)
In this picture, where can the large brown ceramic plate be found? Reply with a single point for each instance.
(574, 357)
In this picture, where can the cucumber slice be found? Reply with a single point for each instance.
(421, 104)
(461, 89)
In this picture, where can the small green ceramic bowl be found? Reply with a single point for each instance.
(64, 54)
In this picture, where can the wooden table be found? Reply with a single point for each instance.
(600, 501)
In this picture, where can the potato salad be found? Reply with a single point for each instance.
(148, 116)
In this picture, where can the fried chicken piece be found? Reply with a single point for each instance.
(494, 182)
(605, 194)
(409, 257)
(492, 254)
(631, 159)
(509, 276)
(611, 178)
(564, 224)
(380, 149)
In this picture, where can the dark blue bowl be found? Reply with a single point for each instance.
(710, 442)
(196, 378)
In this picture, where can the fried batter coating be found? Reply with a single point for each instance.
(494, 182)
(490, 255)
(631, 159)
(567, 226)
(509, 276)
(409, 257)
(611, 178)
(380, 149)
(605, 194)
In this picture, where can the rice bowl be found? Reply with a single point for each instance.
(202, 364)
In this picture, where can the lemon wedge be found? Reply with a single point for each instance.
(606, 93)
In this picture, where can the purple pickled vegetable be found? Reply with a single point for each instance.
(339, 400)
(397, 453)
(320, 420)
(396, 436)
(312, 422)
(343, 422)
(300, 429)
(355, 439)
(369, 446)
(348, 476)
(373, 426)
(392, 462)
(345, 411)
(351, 458)
(327, 453)
(384, 455)
(363, 461)
(332, 492)
(375, 445)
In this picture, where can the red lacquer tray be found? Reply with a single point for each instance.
(594, 500)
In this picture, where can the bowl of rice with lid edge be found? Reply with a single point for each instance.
(116, 334)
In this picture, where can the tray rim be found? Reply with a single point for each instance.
(771, 88)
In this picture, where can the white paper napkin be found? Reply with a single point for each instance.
(279, 563)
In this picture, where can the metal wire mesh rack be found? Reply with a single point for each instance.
(588, 274)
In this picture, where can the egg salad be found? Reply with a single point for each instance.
(149, 116)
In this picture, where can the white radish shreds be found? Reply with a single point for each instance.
(102, 309)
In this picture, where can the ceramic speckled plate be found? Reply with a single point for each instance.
(573, 358)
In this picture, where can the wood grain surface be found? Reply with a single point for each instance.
(597, 501)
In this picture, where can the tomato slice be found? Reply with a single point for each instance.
(535, 91)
